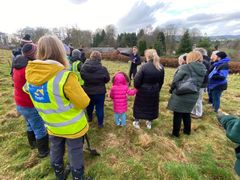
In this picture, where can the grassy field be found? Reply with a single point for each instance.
(127, 153)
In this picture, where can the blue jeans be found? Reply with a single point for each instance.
(209, 96)
(98, 101)
(120, 119)
(33, 121)
(216, 95)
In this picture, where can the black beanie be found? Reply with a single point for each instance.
(221, 54)
(27, 37)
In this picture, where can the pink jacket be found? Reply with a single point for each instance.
(119, 92)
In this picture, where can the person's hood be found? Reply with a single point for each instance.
(206, 58)
(39, 72)
(76, 53)
(222, 61)
(74, 58)
(119, 79)
(92, 65)
(20, 62)
(198, 68)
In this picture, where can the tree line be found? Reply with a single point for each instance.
(168, 40)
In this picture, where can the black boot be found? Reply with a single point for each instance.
(31, 139)
(59, 171)
(43, 147)
(78, 174)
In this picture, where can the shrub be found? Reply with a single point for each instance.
(234, 67)
(165, 61)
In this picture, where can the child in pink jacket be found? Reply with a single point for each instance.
(118, 93)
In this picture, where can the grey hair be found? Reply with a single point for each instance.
(76, 53)
(215, 52)
(201, 50)
(181, 60)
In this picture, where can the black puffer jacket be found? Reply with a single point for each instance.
(206, 62)
(95, 77)
(148, 81)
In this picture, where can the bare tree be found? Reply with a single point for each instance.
(39, 32)
(195, 34)
(110, 39)
(170, 32)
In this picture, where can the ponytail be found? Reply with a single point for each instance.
(156, 61)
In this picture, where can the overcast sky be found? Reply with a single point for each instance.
(214, 17)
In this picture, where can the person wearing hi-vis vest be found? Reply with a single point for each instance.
(77, 64)
(60, 101)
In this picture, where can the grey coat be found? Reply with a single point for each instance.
(185, 103)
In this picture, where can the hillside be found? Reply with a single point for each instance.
(127, 153)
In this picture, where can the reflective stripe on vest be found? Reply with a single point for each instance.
(58, 113)
(57, 97)
(75, 66)
(75, 70)
(72, 121)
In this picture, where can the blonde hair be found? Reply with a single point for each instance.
(194, 56)
(152, 54)
(95, 55)
(50, 47)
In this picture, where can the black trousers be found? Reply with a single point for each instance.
(177, 120)
(132, 71)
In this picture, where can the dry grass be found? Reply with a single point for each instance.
(127, 153)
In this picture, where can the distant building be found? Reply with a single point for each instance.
(108, 49)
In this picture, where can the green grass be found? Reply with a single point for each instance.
(127, 153)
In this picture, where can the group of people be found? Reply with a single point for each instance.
(53, 85)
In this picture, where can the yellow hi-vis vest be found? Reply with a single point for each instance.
(58, 113)
(75, 70)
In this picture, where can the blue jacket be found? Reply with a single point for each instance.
(217, 78)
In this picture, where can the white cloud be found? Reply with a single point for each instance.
(92, 14)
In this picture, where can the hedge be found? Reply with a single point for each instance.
(234, 66)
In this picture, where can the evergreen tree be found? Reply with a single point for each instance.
(185, 45)
(204, 43)
(142, 46)
(97, 39)
(160, 44)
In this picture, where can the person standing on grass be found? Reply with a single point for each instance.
(76, 64)
(135, 61)
(60, 101)
(231, 124)
(148, 81)
(36, 132)
(197, 111)
(213, 59)
(217, 79)
(95, 77)
(83, 56)
(182, 105)
(118, 93)
(18, 51)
